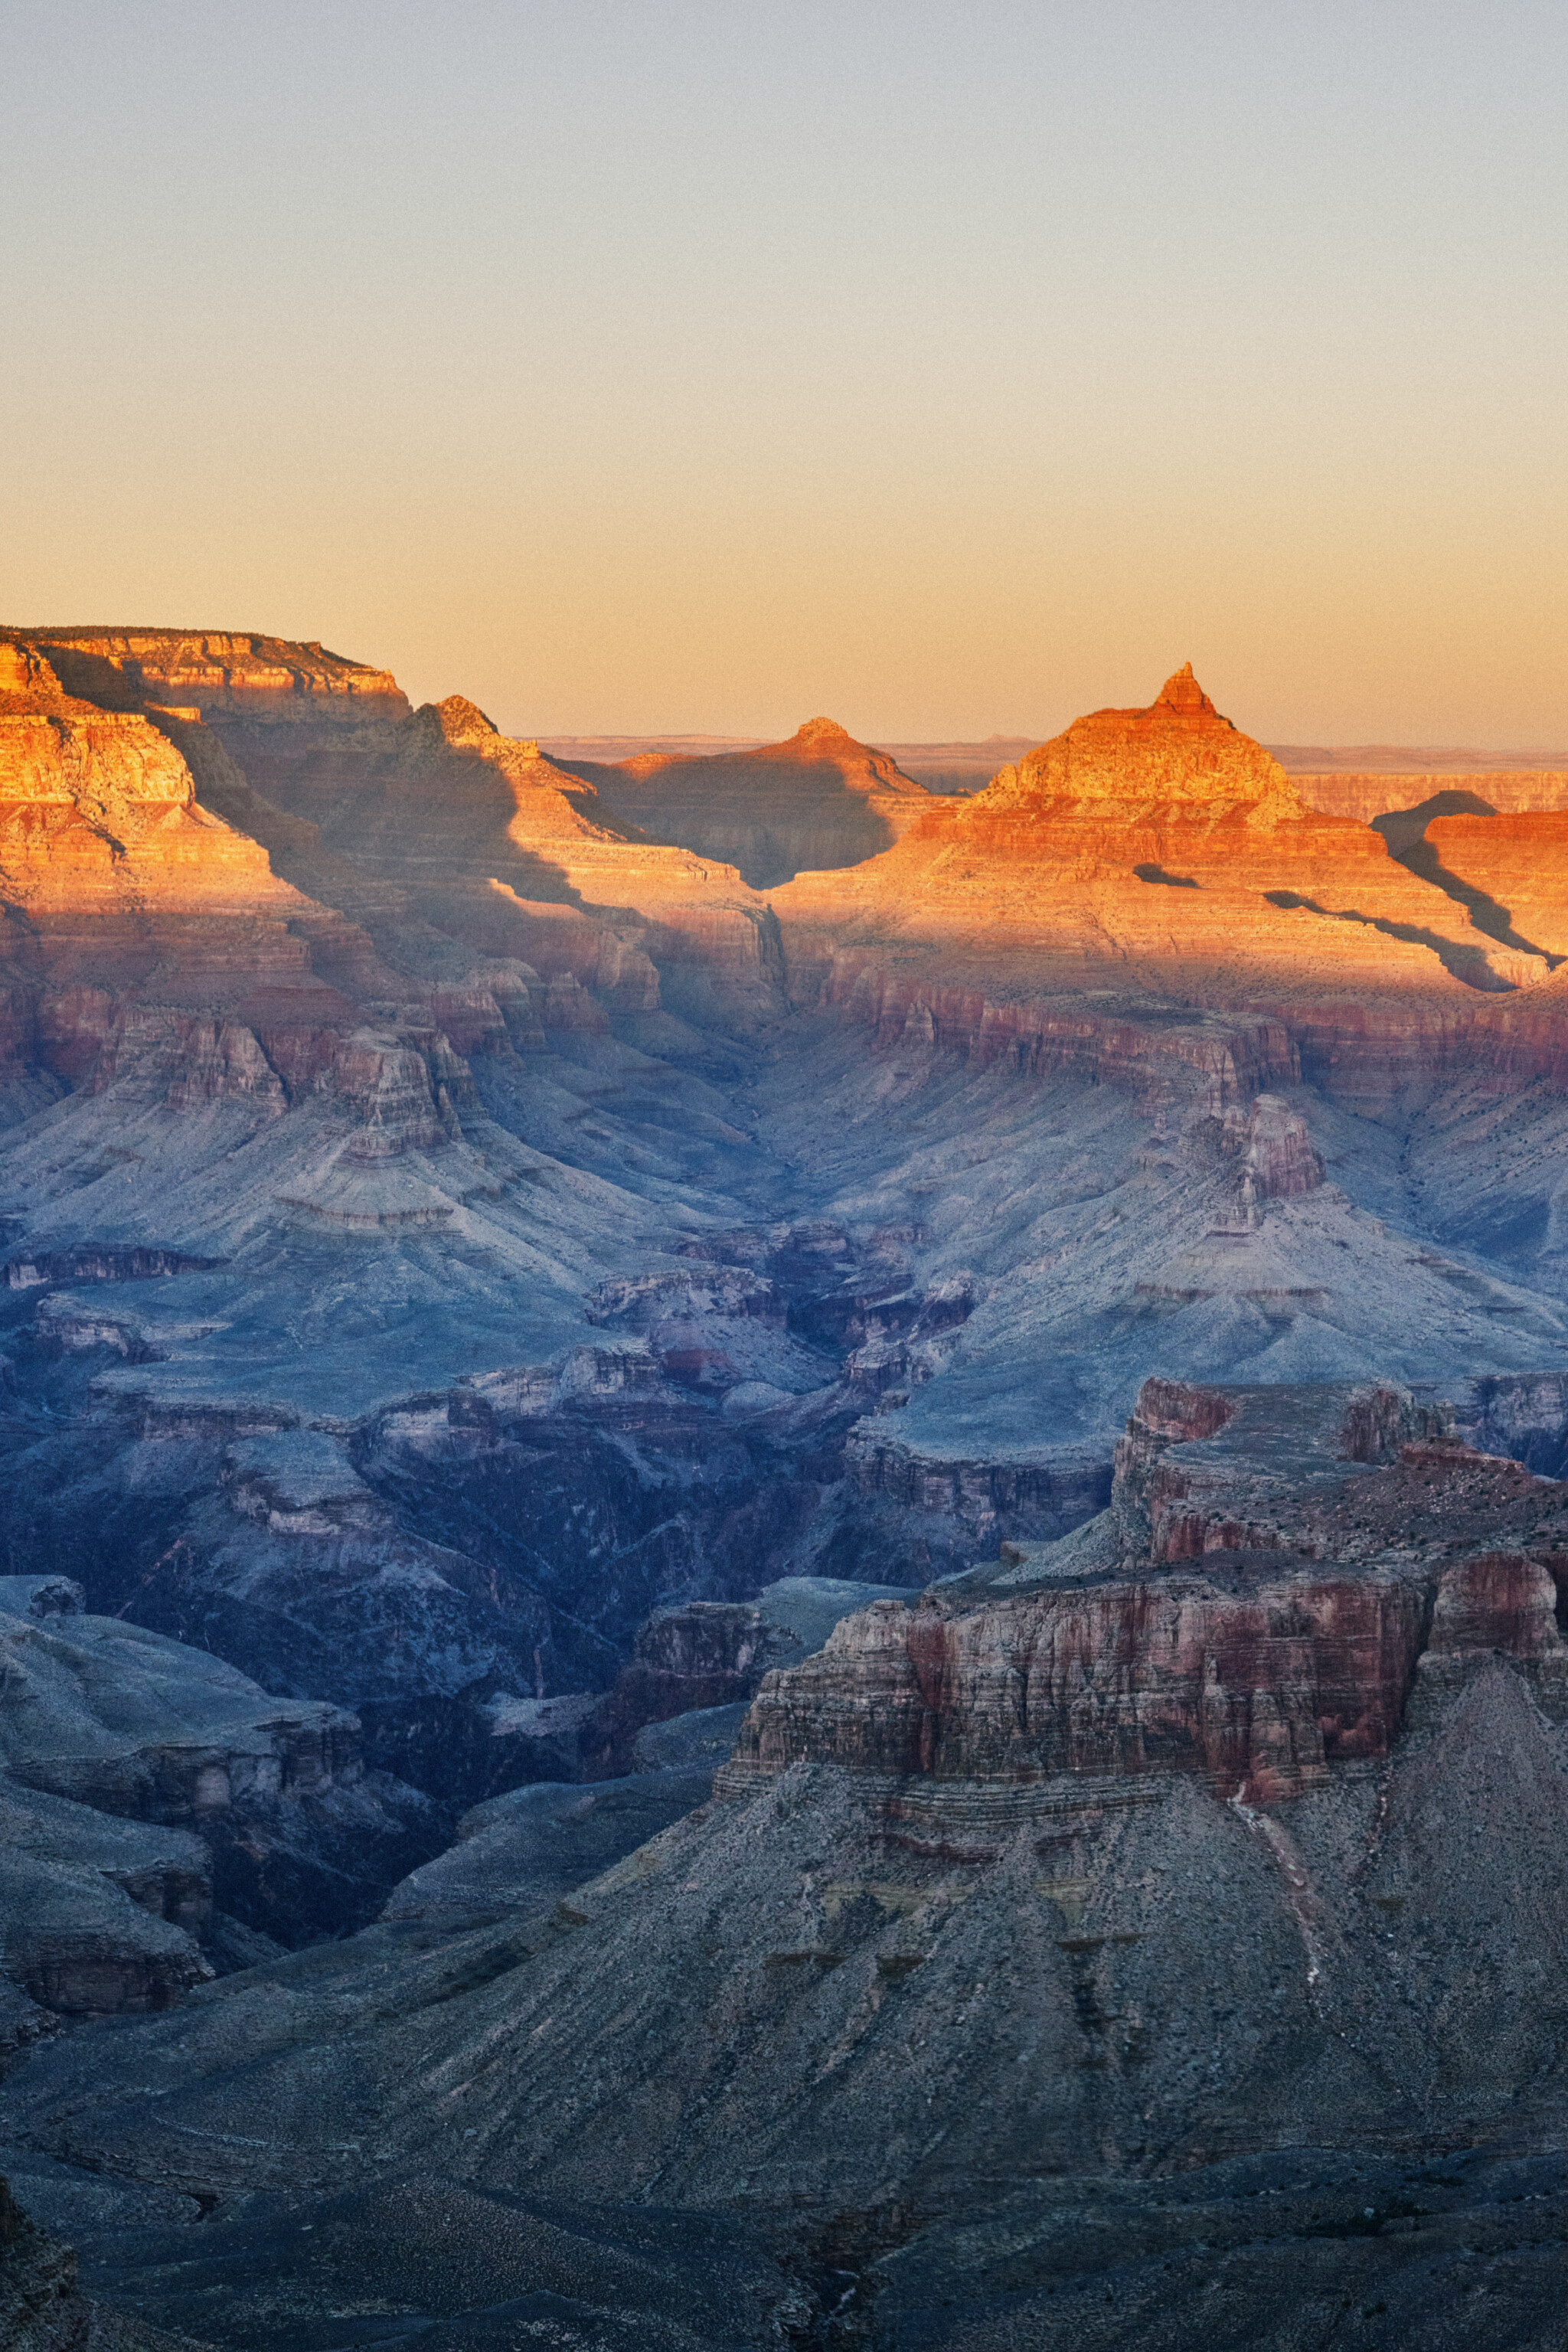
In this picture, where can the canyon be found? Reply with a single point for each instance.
(786, 1561)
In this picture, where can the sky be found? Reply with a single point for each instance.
(949, 369)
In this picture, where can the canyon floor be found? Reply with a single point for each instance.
(785, 1559)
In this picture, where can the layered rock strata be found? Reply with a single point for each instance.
(438, 816)
(800, 2004)
(268, 684)
(1201, 1890)
(701, 1657)
(144, 931)
(1362, 795)
(1157, 851)
(1346, 1544)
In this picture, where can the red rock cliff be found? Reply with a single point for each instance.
(1341, 1546)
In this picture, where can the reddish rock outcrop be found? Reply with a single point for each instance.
(1335, 1525)
(704, 1654)
(1360, 794)
(1520, 862)
(508, 851)
(1499, 1600)
(1160, 854)
(145, 931)
(1259, 1689)
(226, 675)
(1147, 896)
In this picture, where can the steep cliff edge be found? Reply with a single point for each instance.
(409, 1351)
(856, 2021)
(1345, 1545)
(264, 1804)
(435, 818)
(94, 801)
(404, 820)
(230, 677)
(142, 927)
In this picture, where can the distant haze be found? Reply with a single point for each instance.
(966, 767)
(685, 367)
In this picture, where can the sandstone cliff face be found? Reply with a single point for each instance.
(1104, 1656)
(1361, 794)
(1159, 849)
(1259, 1692)
(880, 2020)
(1519, 862)
(820, 799)
(423, 1285)
(234, 677)
(697, 1660)
(143, 929)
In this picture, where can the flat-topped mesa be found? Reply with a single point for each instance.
(229, 677)
(1203, 1469)
(1178, 754)
(150, 940)
(1275, 1565)
(105, 849)
(67, 767)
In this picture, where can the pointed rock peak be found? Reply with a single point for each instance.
(1183, 692)
(462, 721)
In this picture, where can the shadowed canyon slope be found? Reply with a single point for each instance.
(528, 1286)
(818, 800)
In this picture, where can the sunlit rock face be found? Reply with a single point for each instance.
(435, 817)
(145, 929)
(1160, 852)
(252, 682)
(818, 800)
(1179, 757)
(1364, 794)
(1514, 865)
(83, 791)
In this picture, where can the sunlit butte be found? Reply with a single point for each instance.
(675, 367)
